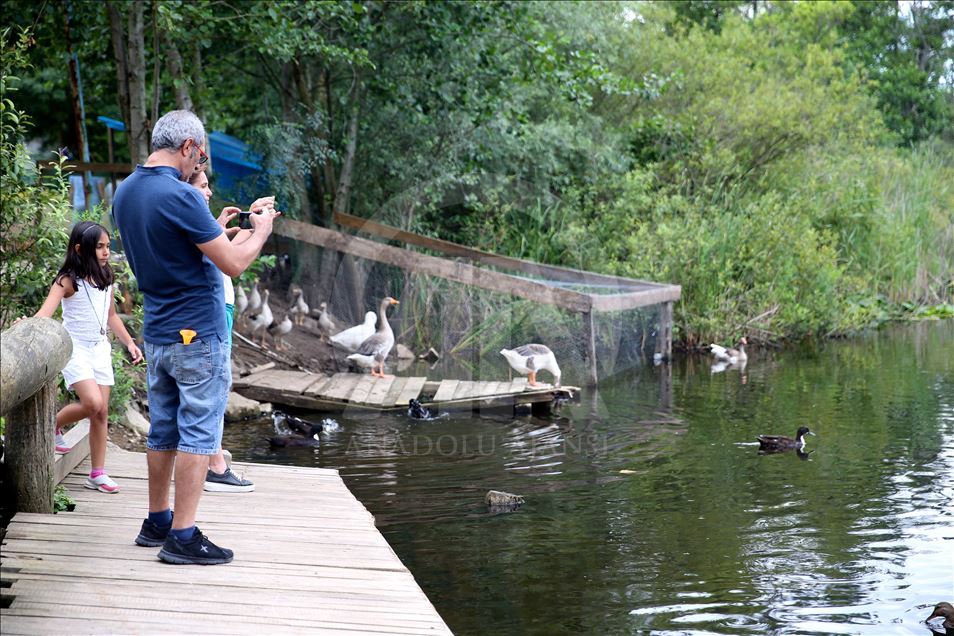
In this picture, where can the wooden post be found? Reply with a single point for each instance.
(664, 334)
(28, 456)
(589, 339)
(32, 354)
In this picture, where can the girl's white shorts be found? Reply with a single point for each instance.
(91, 360)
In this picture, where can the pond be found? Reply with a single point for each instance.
(650, 511)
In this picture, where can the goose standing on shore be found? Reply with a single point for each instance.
(254, 301)
(352, 338)
(530, 358)
(299, 308)
(262, 320)
(279, 330)
(325, 324)
(375, 349)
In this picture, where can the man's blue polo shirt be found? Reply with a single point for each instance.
(161, 220)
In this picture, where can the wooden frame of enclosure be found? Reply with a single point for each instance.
(630, 295)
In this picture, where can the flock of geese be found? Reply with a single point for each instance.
(368, 343)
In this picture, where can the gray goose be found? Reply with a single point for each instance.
(375, 349)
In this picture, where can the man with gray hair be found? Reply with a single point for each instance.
(176, 250)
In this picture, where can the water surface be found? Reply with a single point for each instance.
(650, 511)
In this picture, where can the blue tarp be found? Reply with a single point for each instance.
(238, 173)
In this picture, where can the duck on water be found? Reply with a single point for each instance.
(781, 443)
(945, 611)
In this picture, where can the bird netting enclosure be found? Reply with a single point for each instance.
(469, 304)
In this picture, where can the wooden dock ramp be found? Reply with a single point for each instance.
(343, 391)
(308, 560)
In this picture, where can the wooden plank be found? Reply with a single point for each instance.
(259, 368)
(391, 397)
(552, 272)
(341, 385)
(412, 389)
(434, 266)
(283, 380)
(486, 389)
(380, 390)
(326, 570)
(362, 389)
(318, 386)
(632, 300)
(518, 385)
(446, 390)
(249, 380)
(78, 439)
(465, 389)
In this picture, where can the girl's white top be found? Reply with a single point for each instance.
(229, 290)
(86, 311)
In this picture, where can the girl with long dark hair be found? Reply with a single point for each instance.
(84, 288)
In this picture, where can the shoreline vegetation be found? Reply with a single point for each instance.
(791, 165)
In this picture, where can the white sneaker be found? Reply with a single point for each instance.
(102, 483)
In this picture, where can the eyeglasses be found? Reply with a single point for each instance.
(203, 158)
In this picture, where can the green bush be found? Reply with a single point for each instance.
(35, 212)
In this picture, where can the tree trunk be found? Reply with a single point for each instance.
(179, 81)
(136, 81)
(156, 66)
(118, 33)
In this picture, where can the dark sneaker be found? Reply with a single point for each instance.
(196, 551)
(226, 482)
(152, 535)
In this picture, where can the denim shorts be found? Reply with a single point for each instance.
(188, 391)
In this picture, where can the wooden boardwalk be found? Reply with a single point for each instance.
(308, 560)
(343, 391)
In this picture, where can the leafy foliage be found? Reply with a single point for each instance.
(35, 205)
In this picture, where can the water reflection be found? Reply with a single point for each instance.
(649, 510)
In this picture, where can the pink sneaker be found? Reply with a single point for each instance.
(61, 447)
(102, 483)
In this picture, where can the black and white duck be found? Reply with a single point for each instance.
(417, 411)
(375, 349)
(732, 356)
(301, 432)
(945, 611)
(781, 443)
(531, 358)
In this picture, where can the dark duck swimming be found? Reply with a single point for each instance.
(780, 443)
(301, 432)
(945, 610)
(417, 411)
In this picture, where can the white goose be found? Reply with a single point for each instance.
(325, 324)
(299, 308)
(352, 338)
(731, 356)
(279, 330)
(261, 320)
(374, 351)
(241, 302)
(254, 301)
(530, 358)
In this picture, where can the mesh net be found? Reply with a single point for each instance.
(468, 325)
